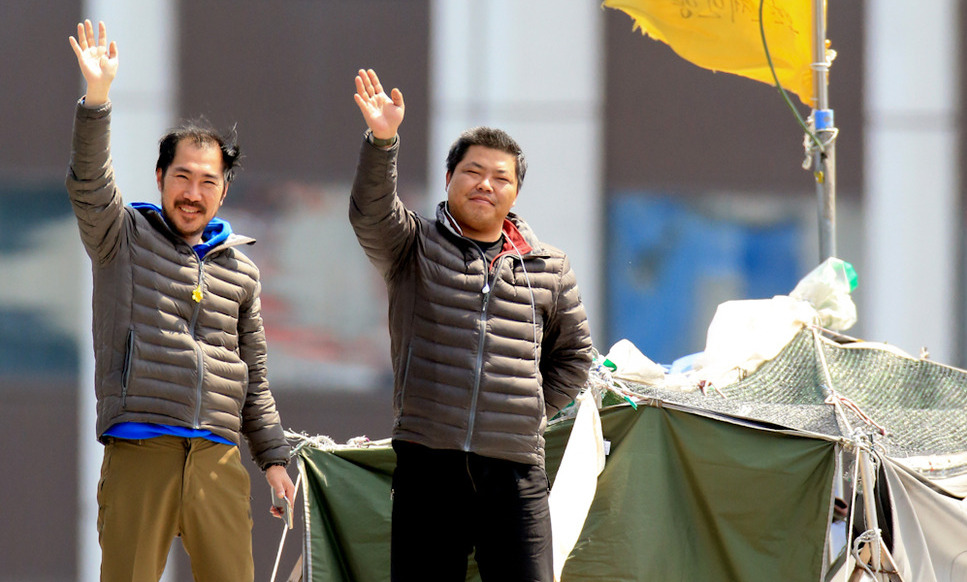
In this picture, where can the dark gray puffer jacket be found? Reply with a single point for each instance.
(161, 356)
(482, 356)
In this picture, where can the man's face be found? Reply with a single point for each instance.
(193, 188)
(481, 190)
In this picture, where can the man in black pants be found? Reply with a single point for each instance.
(489, 341)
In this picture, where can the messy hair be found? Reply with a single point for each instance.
(488, 137)
(201, 132)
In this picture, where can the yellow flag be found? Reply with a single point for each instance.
(723, 35)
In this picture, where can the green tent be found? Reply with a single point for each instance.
(683, 497)
(738, 483)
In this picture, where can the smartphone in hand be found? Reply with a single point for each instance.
(284, 507)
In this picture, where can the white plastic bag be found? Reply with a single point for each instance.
(745, 333)
(828, 288)
(634, 366)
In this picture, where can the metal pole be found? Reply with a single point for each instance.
(869, 507)
(824, 161)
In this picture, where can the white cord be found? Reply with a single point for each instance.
(285, 530)
(533, 305)
(832, 397)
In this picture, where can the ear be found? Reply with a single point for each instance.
(446, 185)
(157, 175)
(224, 194)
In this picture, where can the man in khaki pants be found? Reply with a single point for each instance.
(179, 348)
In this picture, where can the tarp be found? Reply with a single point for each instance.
(683, 497)
(921, 404)
(930, 528)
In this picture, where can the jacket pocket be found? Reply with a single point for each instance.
(399, 393)
(126, 369)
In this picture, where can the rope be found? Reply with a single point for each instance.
(865, 417)
(867, 537)
(782, 91)
(601, 379)
(302, 440)
(838, 400)
(863, 444)
(831, 396)
(812, 143)
(875, 541)
(285, 530)
(852, 504)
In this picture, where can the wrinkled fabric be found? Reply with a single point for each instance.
(478, 365)
(161, 356)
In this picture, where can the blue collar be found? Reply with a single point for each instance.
(215, 233)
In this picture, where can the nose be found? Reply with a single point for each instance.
(193, 191)
(485, 184)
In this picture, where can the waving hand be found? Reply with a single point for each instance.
(383, 114)
(97, 60)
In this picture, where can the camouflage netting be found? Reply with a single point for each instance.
(922, 405)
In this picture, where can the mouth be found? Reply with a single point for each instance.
(190, 209)
(482, 199)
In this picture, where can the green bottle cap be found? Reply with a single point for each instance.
(850, 275)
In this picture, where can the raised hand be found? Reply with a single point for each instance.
(383, 114)
(97, 60)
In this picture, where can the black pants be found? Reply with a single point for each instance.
(448, 503)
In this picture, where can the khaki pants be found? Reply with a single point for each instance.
(154, 489)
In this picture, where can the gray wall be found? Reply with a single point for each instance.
(283, 71)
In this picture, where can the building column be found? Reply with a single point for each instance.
(910, 291)
(535, 70)
(143, 98)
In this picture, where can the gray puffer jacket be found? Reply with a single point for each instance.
(482, 355)
(161, 356)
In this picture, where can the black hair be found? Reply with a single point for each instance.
(488, 137)
(201, 132)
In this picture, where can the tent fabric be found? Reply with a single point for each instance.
(346, 513)
(576, 480)
(922, 404)
(929, 528)
(683, 497)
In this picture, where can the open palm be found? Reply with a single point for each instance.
(97, 59)
(383, 113)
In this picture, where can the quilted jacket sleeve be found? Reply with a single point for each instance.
(90, 183)
(566, 346)
(384, 227)
(261, 424)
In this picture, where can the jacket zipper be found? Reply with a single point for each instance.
(197, 296)
(482, 327)
(406, 376)
(126, 370)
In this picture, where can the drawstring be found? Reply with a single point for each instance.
(531, 291)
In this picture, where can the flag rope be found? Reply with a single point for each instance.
(782, 91)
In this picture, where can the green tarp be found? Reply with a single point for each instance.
(683, 497)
